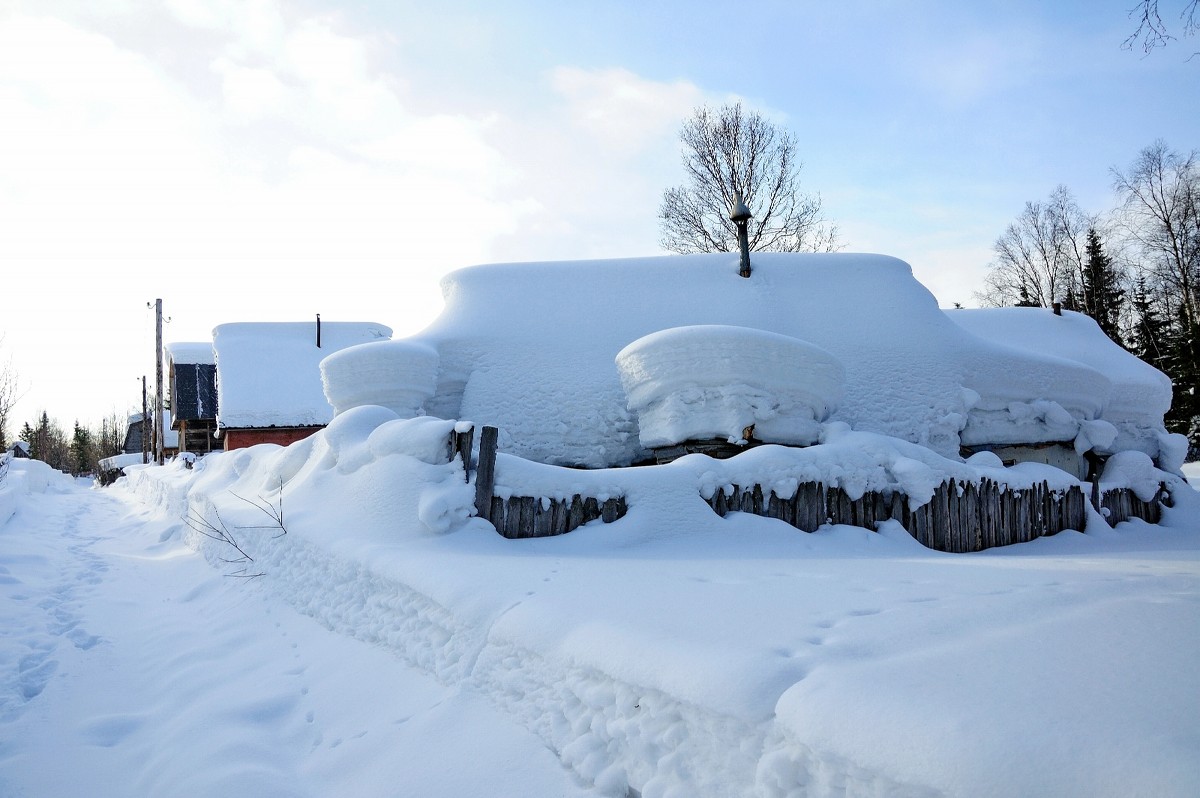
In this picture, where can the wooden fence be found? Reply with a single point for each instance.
(962, 516)
(527, 516)
(1123, 504)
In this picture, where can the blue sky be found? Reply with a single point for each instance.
(265, 160)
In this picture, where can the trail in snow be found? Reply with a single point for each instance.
(129, 666)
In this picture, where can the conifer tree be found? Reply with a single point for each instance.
(1102, 292)
(1150, 337)
(1181, 364)
(81, 450)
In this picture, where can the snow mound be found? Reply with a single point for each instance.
(22, 477)
(398, 375)
(1133, 470)
(716, 381)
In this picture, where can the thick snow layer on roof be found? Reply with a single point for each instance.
(170, 436)
(398, 375)
(1139, 391)
(717, 381)
(191, 352)
(268, 374)
(1138, 395)
(530, 348)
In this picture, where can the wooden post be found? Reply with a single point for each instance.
(158, 368)
(485, 474)
(460, 444)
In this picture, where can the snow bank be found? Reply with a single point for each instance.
(268, 374)
(674, 652)
(714, 381)
(23, 478)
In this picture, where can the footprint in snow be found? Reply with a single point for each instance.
(108, 731)
(82, 640)
(34, 673)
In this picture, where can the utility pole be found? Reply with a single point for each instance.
(158, 368)
(145, 425)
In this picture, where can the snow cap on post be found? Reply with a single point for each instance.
(740, 215)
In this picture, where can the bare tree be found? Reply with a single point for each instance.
(1040, 257)
(1152, 32)
(730, 150)
(1160, 213)
(9, 394)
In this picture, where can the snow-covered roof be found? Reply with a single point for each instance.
(133, 438)
(1138, 389)
(190, 352)
(122, 460)
(268, 373)
(530, 347)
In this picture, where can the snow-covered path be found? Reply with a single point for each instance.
(672, 653)
(129, 666)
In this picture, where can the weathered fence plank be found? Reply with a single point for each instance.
(485, 472)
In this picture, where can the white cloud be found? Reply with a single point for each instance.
(301, 185)
(621, 110)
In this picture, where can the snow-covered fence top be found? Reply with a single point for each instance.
(857, 479)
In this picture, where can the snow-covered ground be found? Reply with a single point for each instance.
(671, 653)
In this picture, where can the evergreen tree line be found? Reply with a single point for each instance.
(1135, 269)
(78, 453)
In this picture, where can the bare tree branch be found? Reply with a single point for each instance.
(1040, 256)
(1152, 32)
(727, 151)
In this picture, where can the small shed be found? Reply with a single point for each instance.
(268, 377)
(140, 426)
(18, 449)
(192, 382)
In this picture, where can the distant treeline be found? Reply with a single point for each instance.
(1135, 268)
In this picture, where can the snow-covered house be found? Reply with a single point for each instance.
(598, 363)
(1124, 397)
(192, 386)
(18, 449)
(140, 431)
(269, 378)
